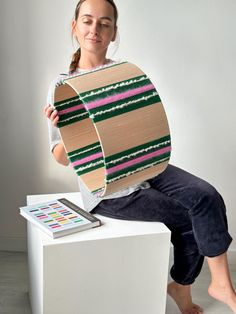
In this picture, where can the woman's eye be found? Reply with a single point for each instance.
(105, 25)
(86, 22)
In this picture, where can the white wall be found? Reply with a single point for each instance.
(188, 49)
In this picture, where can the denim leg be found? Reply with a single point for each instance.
(186, 205)
(187, 259)
(205, 207)
(209, 233)
(152, 205)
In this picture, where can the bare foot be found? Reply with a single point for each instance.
(224, 294)
(182, 297)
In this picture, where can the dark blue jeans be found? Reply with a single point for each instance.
(190, 207)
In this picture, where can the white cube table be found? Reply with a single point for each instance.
(118, 268)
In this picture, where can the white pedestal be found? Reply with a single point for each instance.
(118, 268)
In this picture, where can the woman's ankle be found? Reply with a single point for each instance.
(223, 293)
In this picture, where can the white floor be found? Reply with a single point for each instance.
(14, 288)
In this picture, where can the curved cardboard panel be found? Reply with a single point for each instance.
(113, 126)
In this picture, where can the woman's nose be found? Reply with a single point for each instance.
(94, 28)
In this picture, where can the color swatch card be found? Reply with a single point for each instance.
(59, 217)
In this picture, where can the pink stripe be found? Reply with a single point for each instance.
(138, 160)
(71, 109)
(43, 217)
(120, 96)
(87, 159)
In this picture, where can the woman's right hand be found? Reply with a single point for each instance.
(51, 113)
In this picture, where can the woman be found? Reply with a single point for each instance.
(190, 207)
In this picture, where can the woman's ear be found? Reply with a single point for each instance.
(73, 26)
(115, 33)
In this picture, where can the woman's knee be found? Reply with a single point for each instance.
(206, 195)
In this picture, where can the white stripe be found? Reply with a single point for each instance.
(76, 116)
(137, 170)
(86, 150)
(89, 165)
(68, 102)
(113, 87)
(131, 102)
(138, 152)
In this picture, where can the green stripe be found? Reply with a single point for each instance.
(139, 147)
(138, 170)
(59, 103)
(86, 154)
(120, 102)
(61, 124)
(126, 109)
(116, 91)
(155, 160)
(89, 169)
(119, 162)
(83, 149)
(98, 190)
(72, 114)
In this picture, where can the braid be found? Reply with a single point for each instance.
(74, 62)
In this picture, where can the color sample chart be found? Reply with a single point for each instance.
(56, 216)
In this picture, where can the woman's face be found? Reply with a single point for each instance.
(95, 26)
